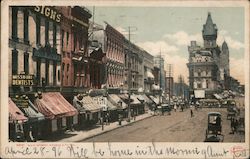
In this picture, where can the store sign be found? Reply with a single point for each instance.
(21, 103)
(22, 80)
(49, 13)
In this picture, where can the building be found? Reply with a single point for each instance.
(35, 48)
(75, 56)
(35, 67)
(148, 65)
(169, 86)
(111, 42)
(208, 65)
(159, 62)
(134, 64)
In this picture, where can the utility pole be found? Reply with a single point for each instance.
(129, 73)
(169, 81)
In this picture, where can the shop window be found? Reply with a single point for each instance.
(38, 29)
(26, 63)
(14, 62)
(14, 23)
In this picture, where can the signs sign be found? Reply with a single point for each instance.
(49, 13)
(22, 80)
(21, 103)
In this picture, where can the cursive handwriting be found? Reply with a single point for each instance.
(113, 151)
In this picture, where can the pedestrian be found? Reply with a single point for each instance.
(236, 123)
(192, 114)
(232, 125)
(175, 107)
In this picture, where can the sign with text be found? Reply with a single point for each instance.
(21, 103)
(22, 80)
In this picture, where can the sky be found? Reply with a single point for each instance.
(170, 30)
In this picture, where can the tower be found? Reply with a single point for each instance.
(209, 33)
(224, 58)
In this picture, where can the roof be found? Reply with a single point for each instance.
(209, 28)
(53, 105)
(15, 114)
(90, 105)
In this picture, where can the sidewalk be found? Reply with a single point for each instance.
(77, 136)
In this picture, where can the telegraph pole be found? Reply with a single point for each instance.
(169, 81)
(129, 73)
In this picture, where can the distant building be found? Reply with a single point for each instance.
(159, 62)
(208, 65)
(169, 86)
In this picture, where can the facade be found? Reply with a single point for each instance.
(35, 48)
(208, 65)
(111, 43)
(148, 65)
(134, 64)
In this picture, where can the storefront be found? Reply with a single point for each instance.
(34, 125)
(93, 111)
(59, 113)
(120, 104)
(16, 122)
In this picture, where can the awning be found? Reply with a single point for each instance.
(155, 99)
(117, 101)
(15, 114)
(53, 105)
(78, 105)
(147, 100)
(111, 106)
(135, 101)
(89, 104)
(150, 75)
(217, 96)
(32, 113)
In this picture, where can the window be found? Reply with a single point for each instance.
(47, 73)
(38, 29)
(14, 62)
(67, 38)
(67, 67)
(75, 39)
(199, 85)
(54, 72)
(62, 40)
(54, 35)
(38, 72)
(58, 75)
(26, 26)
(26, 63)
(46, 32)
(14, 23)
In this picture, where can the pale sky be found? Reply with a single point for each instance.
(170, 29)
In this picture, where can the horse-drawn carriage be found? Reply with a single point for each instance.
(214, 128)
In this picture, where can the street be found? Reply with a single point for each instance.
(177, 127)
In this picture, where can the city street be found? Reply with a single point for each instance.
(177, 127)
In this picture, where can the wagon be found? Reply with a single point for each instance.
(214, 127)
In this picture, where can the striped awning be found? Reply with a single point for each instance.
(15, 114)
(90, 105)
(32, 113)
(54, 105)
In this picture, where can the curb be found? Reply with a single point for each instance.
(103, 132)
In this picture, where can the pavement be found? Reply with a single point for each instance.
(76, 136)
